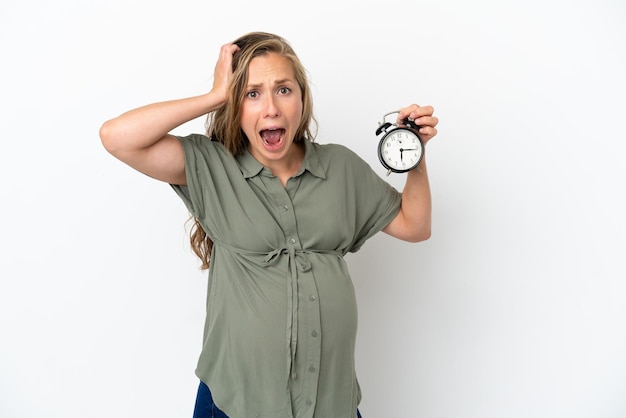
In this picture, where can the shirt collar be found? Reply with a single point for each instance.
(250, 167)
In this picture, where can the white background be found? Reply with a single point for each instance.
(514, 308)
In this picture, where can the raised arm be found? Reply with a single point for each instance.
(141, 139)
(413, 223)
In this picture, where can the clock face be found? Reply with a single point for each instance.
(400, 150)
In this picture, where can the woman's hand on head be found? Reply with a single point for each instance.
(223, 71)
(421, 116)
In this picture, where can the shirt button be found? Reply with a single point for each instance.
(285, 208)
(292, 240)
(314, 333)
(309, 402)
(312, 298)
(312, 369)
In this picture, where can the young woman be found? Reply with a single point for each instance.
(275, 212)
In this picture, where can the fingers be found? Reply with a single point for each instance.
(227, 51)
(223, 68)
(426, 133)
(421, 116)
(225, 60)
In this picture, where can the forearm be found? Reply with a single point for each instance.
(417, 203)
(142, 127)
(413, 223)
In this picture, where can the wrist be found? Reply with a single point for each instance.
(214, 99)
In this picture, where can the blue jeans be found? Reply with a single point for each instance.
(205, 408)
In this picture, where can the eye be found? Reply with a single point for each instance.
(252, 94)
(284, 90)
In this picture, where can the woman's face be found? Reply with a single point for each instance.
(271, 110)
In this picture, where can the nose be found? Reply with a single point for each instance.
(271, 107)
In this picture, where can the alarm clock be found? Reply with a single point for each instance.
(400, 149)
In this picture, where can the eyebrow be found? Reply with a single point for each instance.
(281, 81)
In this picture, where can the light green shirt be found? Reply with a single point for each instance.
(281, 314)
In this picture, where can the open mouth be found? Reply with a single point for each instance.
(272, 138)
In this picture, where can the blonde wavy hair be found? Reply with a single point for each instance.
(224, 124)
